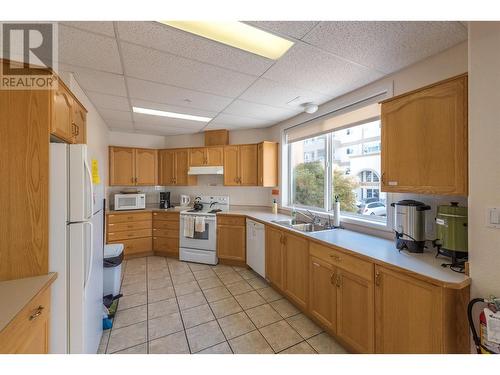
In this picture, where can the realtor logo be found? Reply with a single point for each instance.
(29, 54)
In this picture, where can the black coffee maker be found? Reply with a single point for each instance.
(164, 199)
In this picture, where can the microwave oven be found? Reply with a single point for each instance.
(130, 201)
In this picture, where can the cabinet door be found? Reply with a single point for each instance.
(355, 311)
(197, 157)
(146, 167)
(231, 165)
(274, 256)
(79, 123)
(248, 165)
(215, 156)
(231, 242)
(322, 292)
(182, 167)
(121, 166)
(408, 314)
(424, 140)
(166, 167)
(62, 103)
(267, 167)
(296, 267)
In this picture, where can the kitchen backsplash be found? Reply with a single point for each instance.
(207, 185)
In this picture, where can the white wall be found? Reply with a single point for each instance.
(136, 140)
(484, 159)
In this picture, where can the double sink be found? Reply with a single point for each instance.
(302, 226)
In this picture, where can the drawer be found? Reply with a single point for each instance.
(116, 227)
(170, 233)
(129, 234)
(163, 244)
(136, 246)
(230, 220)
(28, 332)
(168, 216)
(173, 225)
(342, 260)
(129, 216)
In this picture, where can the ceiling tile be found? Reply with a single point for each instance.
(386, 46)
(111, 115)
(276, 94)
(310, 68)
(91, 80)
(160, 130)
(99, 27)
(227, 121)
(155, 92)
(93, 51)
(169, 39)
(295, 29)
(259, 111)
(104, 101)
(144, 63)
(120, 125)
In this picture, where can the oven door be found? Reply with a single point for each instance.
(205, 240)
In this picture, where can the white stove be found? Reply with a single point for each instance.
(198, 230)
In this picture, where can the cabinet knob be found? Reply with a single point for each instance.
(37, 313)
(331, 278)
(339, 282)
(336, 258)
(377, 278)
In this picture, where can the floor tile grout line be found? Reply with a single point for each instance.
(213, 313)
(177, 300)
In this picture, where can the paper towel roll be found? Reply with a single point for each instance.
(336, 214)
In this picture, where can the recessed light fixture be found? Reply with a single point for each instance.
(310, 107)
(237, 34)
(182, 116)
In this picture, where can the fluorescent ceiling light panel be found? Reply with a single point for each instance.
(237, 34)
(182, 116)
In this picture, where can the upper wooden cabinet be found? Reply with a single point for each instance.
(206, 156)
(62, 113)
(267, 164)
(146, 166)
(218, 137)
(424, 140)
(173, 168)
(240, 165)
(68, 116)
(131, 166)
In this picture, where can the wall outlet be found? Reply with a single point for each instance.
(493, 218)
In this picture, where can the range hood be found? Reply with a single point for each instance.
(206, 170)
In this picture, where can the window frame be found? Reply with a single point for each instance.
(382, 223)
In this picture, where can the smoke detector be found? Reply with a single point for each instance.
(310, 107)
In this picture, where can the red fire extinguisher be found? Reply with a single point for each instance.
(483, 345)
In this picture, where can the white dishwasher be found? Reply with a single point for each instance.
(256, 247)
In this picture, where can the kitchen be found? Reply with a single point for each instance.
(230, 200)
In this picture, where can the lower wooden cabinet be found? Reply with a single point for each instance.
(231, 239)
(408, 314)
(322, 293)
(355, 311)
(132, 229)
(274, 257)
(296, 268)
(166, 233)
(28, 332)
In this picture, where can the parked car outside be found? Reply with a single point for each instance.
(374, 208)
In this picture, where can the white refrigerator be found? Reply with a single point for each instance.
(76, 252)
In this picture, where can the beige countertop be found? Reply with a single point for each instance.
(381, 251)
(15, 294)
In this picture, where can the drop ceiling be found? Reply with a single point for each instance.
(151, 65)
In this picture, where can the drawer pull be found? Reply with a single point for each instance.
(336, 258)
(37, 313)
(331, 278)
(377, 278)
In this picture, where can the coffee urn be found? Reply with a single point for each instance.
(409, 225)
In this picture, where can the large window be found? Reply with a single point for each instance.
(344, 163)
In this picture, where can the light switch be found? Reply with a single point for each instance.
(494, 217)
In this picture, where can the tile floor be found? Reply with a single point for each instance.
(173, 307)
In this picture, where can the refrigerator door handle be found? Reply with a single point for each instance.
(89, 204)
(89, 255)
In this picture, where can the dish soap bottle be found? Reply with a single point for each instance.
(275, 207)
